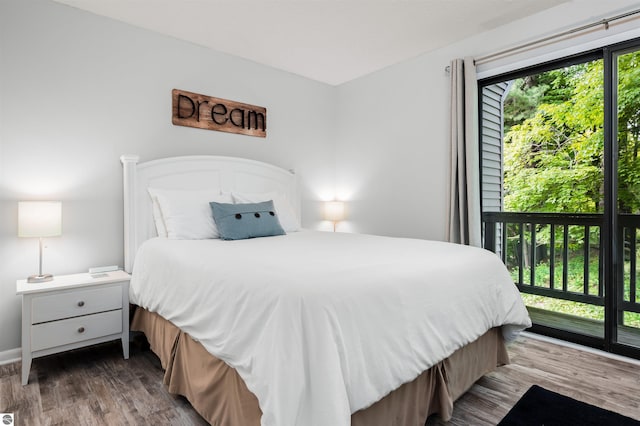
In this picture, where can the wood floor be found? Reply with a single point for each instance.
(96, 386)
(595, 379)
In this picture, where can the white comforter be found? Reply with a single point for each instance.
(320, 325)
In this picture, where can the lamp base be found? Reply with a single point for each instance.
(40, 278)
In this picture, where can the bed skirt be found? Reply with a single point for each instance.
(220, 396)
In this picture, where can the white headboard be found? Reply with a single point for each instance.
(192, 172)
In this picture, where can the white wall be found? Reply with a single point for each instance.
(392, 154)
(78, 90)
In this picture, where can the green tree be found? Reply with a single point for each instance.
(553, 159)
(629, 132)
(554, 139)
(524, 96)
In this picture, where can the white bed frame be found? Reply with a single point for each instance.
(192, 172)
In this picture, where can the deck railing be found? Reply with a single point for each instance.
(528, 242)
(629, 226)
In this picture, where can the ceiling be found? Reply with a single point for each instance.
(332, 41)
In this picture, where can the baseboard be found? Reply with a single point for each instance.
(12, 355)
(580, 347)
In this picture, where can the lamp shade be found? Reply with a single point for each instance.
(334, 211)
(39, 218)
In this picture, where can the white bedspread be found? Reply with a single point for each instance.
(320, 325)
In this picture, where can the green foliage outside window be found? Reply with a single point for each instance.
(554, 139)
(554, 162)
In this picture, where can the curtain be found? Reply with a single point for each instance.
(464, 219)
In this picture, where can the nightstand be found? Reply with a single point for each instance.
(73, 311)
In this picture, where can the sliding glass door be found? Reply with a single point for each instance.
(626, 134)
(561, 192)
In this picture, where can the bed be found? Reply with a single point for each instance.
(307, 328)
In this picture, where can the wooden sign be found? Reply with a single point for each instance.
(206, 112)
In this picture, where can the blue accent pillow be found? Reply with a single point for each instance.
(242, 221)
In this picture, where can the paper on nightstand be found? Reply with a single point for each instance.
(98, 269)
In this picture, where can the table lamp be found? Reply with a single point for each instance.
(39, 219)
(334, 211)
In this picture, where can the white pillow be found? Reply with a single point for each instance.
(285, 212)
(187, 213)
(161, 229)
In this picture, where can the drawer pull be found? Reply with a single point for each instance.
(81, 330)
(81, 303)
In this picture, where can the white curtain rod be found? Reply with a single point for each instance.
(604, 22)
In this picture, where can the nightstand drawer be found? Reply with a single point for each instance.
(75, 303)
(72, 330)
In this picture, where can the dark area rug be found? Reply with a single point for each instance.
(539, 406)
